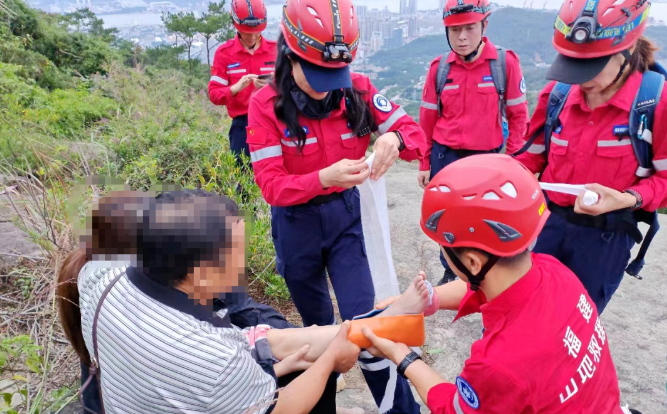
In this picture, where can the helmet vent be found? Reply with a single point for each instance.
(442, 189)
(509, 189)
(491, 196)
(469, 197)
(432, 222)
(351, 16)
(503, 231)
(317, 19)
(449, 237)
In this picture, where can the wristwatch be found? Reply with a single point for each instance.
(400, 139)
(640, 199)
(409, 359)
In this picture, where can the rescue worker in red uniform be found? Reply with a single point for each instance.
(308, 134)
(592, 142)
(477, 93)
(240, 67)
(544, 349)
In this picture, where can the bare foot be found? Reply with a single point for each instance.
(413, 301)
(355, 410)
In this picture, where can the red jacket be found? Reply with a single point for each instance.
(585, 150)
(287, 176)
(470, 110)
(230, 63)
(544, 350)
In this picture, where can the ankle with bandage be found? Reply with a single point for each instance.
(433, 300)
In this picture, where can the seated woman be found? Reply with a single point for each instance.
(163, 347)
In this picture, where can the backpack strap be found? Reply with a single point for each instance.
(641, 120)
(441, 79)
(640, 127)
(555, 105)
(499, 75)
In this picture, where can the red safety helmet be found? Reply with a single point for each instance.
(588, 33)
(249, 16)
(490, 202)
(322, 32)
(460, 12)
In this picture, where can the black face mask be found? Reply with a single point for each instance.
(313, 108)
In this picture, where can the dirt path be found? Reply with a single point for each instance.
(635, 320)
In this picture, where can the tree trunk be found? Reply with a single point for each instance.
(208, 53)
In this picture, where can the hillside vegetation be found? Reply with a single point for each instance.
(76, 101)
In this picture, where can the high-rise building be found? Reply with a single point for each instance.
(412, 8)
(396, 37)
(442, 5)
(403, 9)
(361, 12)
(376, 42)
(385, 29)
(413, 27)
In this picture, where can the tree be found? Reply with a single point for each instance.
(215, 24)
(85, 21)
(184, 25)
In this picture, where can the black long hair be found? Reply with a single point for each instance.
(357, 112)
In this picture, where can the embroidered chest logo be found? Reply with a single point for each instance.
(487, 78)
(234, 65)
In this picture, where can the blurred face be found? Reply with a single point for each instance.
(604, 79)
(465, 38)
(213, 278)
(303, 84)
(249, 39)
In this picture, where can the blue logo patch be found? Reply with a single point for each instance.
(522, 86)
(381, 103)
(559, 129)
(487, 78)
(287, 133)
(467, 393)
(234, 65)
(621, 130)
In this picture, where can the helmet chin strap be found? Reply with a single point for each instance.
(471, 55)
(474, 280)
(627, 56)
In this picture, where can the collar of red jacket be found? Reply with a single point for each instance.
(496, 309)
(622, 99)
(489, 52)
(239, 48)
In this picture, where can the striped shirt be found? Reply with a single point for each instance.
(159, 352)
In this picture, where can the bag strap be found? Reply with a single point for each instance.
(94, 368)
(499, 75)
(441, 79)
(641, 120)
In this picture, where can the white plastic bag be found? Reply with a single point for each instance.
(375, 223)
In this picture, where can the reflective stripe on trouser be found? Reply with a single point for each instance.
(313, 239)
(597, 257)
(237, 138)
(442, 156)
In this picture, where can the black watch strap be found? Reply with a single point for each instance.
(409, 359)
(401, 147)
